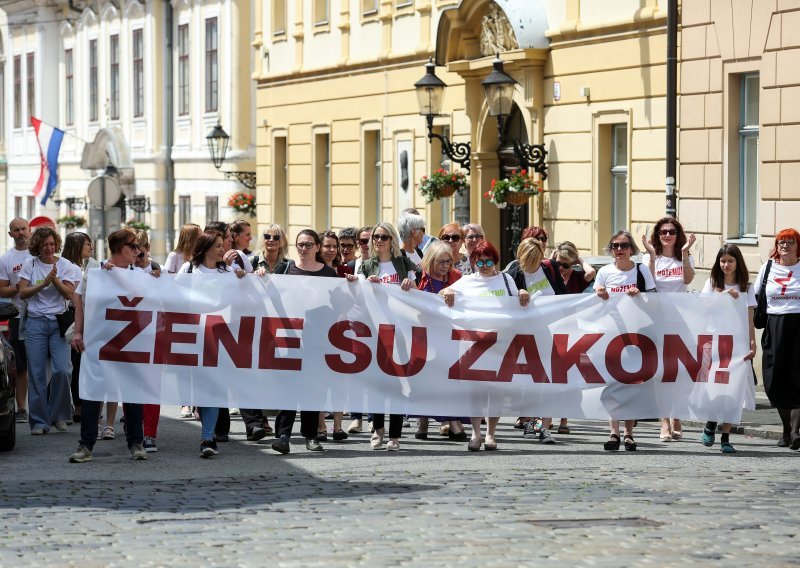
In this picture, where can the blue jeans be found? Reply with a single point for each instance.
(208, 419)
(42, 341)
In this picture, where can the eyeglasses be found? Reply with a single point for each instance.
(565, 265)
(305, 245)
(422, 230)
(271, 237)
(787, 243)
(620, 246)
(140, 255)
(481, 263)
(473, 237)
(665, 232)
(450, 238)
(363, 241)
(541, 238)
(444, 262)
(383, 238)
(133, 245)
(347, 246)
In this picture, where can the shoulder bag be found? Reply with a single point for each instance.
(760, 314)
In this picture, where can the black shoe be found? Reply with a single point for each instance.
(795, 445)
(612, 444)
(312, 445)
(208, 448)
(630, 445)
(339, 435)
(256, 434)
(421, 435)
(322, 436)
(281, 445)
(457, 437)
(784, 442)
(221, 438)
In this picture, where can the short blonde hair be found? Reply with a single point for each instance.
(283, 251)
(394, 242)
(530, 252)
(433, 252)
(142, 239)
(568, 250)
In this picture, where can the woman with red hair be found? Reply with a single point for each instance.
(779, 280)
(487, 281)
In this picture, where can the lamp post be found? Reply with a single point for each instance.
(430, 95)
(218, 146)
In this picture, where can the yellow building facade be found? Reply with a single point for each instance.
(342, 142)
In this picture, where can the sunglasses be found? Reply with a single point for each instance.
(473, 237)
(665, 232)
(564, 265)
(363, 241)
(481, 263)
(541, 238)
(134, 246)
(271, 237)
(620, 246)
(450, 238)
(787, 243)
(383, 238)
(305, 245)
(347, 246)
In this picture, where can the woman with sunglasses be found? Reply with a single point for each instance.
(780, 360)
(576, 273)
(473, 236)
(624, 276)
(437, 274)
(487, 281)
(729, 275)
(183, 250)
(387, 265)
(123, 247)
(347, 251)
(208, 257)
(272, 259)
(310, 263)
(452, 235)
(672, 267)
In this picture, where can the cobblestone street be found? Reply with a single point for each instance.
(432, 503)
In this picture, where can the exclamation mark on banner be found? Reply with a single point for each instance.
(725, 350)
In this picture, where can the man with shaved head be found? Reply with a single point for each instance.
(10, 265)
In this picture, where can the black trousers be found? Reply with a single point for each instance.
(90, 414)
(223, 426)
(252, 418)
(395, 424)
(284, 422)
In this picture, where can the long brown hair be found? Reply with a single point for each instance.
(742, 275)
(205, 241)
(680, 238)
(186, 239)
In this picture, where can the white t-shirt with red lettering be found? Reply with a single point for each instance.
(476, 285)
(615, 280)
(669, 273)
(10, 267)
(783, 288)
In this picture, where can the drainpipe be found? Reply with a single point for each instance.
(672, 106)
(169, 128)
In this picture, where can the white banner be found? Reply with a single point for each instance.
(287, 342)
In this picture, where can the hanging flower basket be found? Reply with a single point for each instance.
(71, 221)
(442, 183)
(242, 202)
(134, 224)
(516, 190)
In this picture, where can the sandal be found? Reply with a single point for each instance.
(612, 444)
(563, 429)
(677, 434)
(630, 445)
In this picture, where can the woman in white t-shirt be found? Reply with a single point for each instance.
(487, 281)
(628, 277)
(183, 252)
(780, 359)
(208, 257)
(672, 267)
(729, 275)
(47, 282)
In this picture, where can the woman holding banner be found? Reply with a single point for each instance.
(781, 357)
(488, 281)
(208, 257)
(672, 267)
(729, 275)
(624, 276)
(388, 265)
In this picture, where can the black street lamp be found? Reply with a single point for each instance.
(430, 95)
(498, 88)
(218, 146)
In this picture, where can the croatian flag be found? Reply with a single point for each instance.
(49, 140)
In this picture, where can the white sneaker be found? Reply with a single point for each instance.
(393, 446)
(61, 426)
(355, 427)
(235, 412)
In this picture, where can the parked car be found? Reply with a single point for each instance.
(8, 379)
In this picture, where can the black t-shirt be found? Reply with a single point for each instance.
(326, 270)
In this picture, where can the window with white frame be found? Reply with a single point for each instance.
(212, 208)
(278, 17)
(212, 66)
(321, 12)
(113, 93)
(18, 207)
(69, 88)
(322, 181)
(93, 94)
(184, 210)
(31, 85)
(372, 179)
(183, 69)
(619, 177)
(138, 73)
(369, 7)
(2, 99)
(17, 91)
(31, 199)
(748, 155)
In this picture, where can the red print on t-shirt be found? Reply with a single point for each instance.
(784, 281)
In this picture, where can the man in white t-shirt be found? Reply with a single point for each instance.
(10, 266)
